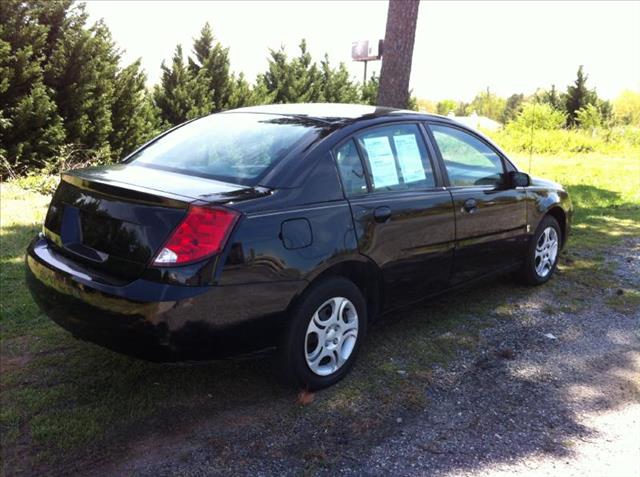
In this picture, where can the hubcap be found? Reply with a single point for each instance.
(331, 336)
(546, 252)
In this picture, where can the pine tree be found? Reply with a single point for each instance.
(241, 94)
(211, 66)
(307, 82)
(132, 113)
(552, 98)
(578, 96)
(277, 79)
(82, 71)
(337, 86)
(36, 130)
(512, 108)
(369, 94)
(180, 96)
(298, 80)
(30, 127)
(60, 82)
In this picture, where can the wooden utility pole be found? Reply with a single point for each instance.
(398, 53)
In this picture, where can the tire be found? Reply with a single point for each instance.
(543, 252)
(319, 347)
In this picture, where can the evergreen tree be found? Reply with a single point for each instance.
(337, 86)
(369, 93)
(30, 127)
(241, 94)
(132, 113)
(292, 81)
(60, 82)
(552, 98)
(578, 96)
(82, 72)
(35, 131)
(211, 67)
(512, 108)
(180, 96)
(277, 79)
(307, 79)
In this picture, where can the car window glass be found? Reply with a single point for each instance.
(351, 170)
(397, 158)
(469, 161)
(232, 147)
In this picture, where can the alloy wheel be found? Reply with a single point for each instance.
(331, 336)
(546, 252)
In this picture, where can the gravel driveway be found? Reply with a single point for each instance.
(549, 394)
(548, 391)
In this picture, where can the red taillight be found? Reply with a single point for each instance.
(203, 232)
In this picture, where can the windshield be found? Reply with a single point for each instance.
(232, 147)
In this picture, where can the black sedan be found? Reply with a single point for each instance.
(290, 227)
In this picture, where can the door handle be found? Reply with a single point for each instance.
(470, 206)
(382, 214)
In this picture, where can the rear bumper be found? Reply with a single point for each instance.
(157, 321)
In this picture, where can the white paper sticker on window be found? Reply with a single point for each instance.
(383, 165)
(409, 158)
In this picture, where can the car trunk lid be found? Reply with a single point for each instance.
(114, 219)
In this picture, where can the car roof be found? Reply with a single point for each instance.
(333, 113)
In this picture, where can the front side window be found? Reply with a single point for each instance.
(469, 161)
(396, 158)
(232, 147)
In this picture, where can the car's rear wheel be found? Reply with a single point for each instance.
(542, 253)
(324, 335)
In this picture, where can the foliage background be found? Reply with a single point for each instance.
(67, 99)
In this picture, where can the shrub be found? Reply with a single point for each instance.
(626, 108)
(589, 117)
(539, 116)
(46, 179)
(615, 141)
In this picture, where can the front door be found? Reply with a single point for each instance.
(404, 221)
(490, 216)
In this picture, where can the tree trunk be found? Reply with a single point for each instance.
(397, 53)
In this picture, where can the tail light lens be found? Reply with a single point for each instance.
(203, 232)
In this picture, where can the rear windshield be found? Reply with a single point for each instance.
(231, 147)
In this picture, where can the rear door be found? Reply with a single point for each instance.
(403, 216)
(490, 216)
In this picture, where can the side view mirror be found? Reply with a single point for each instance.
(519, 179)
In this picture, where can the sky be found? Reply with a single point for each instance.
(461, 47)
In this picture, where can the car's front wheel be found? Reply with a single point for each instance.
(324, 335)
(542, 253)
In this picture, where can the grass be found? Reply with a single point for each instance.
(62, 399)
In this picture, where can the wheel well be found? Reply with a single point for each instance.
(559, 214)
(365, 275)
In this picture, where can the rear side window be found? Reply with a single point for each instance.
(469, 161)
(232, 147)
(351, 170)
(396, 158)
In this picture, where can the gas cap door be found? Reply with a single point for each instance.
(296, 233)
